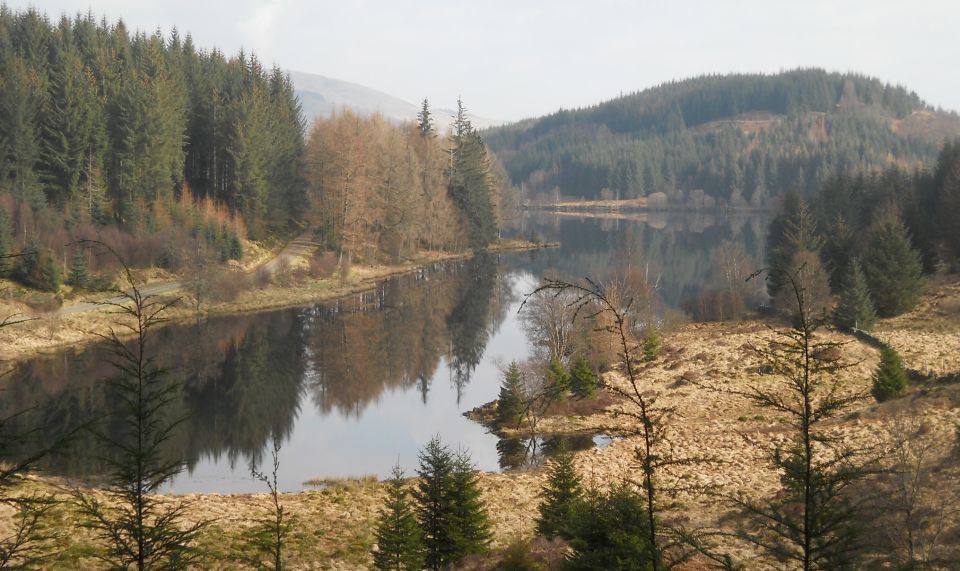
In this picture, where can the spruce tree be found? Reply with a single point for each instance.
(792, 232)
(138, 530)
(583, 379)
(79, 276)
(433, 496)
(890, 378)
(558, 379)
(511, 402)
(651, 343)
(469, 525)
(399, 545)
(893, 269)
(610, 530)
(855, 309)
(424, 121)
(560, 495)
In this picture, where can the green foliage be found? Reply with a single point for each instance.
(100, 123)
(584, 381)
(855, 309)
(560, 495)
(469, 524)
(893, 269)
(36, 268)
(792, 232)
(511, 404)
(79, 276)
(610, 531)
(890, 378)
(399, 546)
(425, 120)
(685, 135)
(813, 521)
(449, 508)
(558, 379)
(471, 185)
(652, 341)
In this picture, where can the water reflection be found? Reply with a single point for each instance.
(523, 453)
(244, 377)
(350, 386)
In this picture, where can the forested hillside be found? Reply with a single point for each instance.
(137, 135)
(739, 139)
(155, 146)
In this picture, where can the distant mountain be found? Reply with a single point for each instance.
(321, 96)
(733, 139)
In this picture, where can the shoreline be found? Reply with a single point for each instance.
(53, 332)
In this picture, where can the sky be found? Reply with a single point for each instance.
(511, 59)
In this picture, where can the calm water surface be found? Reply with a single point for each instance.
(355, 386)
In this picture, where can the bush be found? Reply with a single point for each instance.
(651, 343)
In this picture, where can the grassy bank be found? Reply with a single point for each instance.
(55, 329)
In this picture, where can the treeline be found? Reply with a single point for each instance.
(737, 139)
(869, 238)
(103, 128)
(395, 189)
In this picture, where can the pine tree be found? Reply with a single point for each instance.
(583, 379)
(79, 275)
(893, 269)
(511, 402)
(433, 496)
(855, 309)
(559, 497)
(469, 524)
(890, 378)
(399, 546)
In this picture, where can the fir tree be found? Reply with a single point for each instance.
(433, 496)
(893, 269)
(855, 309)
(583, 379)
(399, 545)
(890, 378)
(792, 232)
(511, 402)
(469, 524)
(559, 497)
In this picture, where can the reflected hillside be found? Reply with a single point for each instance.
(686, 255)
(247, 377)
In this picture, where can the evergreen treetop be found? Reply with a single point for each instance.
(559, 497)
(855, 310)
(399, 546)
